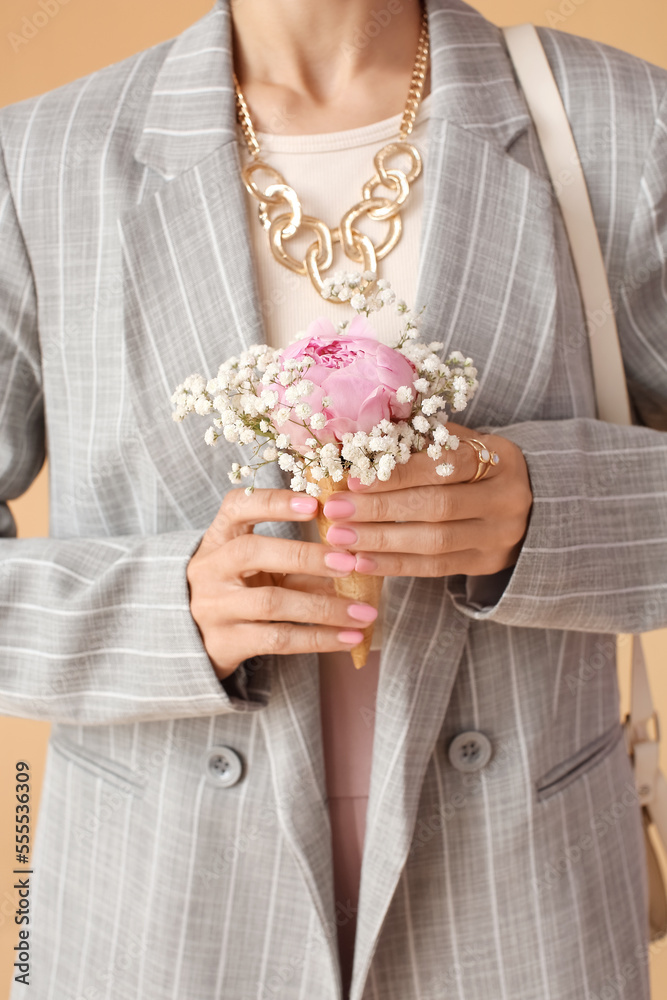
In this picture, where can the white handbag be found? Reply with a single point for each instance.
(560, 153)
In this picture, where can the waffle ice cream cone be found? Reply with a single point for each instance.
(355, 586)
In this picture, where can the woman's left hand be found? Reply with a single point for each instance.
(421, 524)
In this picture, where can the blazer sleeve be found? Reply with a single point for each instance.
(92, 630)
(594, 557)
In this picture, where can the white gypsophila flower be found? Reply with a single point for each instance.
(317, 472)
(440, 434)
(234, 477)
(245, 471)
(304, 387)
(282, 441)
(434, 451)
(280, 416)
(210, 437)
(246, 435)
(358, 301)
(430, 364)
(286, 461)
(422, 384)
(194, 384)
(312, 489)
(212, 386)
(292, 394)
(453, 442)
(270, 454)
(249, 490)
(298, 483)
(269, 397)
(311, 442)
(230, 434)
(203, 405)
(303, 410)
(385, 467)
(387, 297)
(179, 414)
(326, 401)
(264, 426)
(337, 474)
(420, 423)
(318, 421)
(329, 451)
(404, 394)
(429, 406)
(444, 470)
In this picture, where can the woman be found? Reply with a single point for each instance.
(212, 747)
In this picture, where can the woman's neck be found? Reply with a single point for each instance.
(308, 66)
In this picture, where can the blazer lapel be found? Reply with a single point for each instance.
(487, 278)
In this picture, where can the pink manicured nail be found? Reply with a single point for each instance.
(365, 565)
(338, 508)
(351, 637)
(303, 505)
(342, 561)
(341, 536)
(355, 484)
(362, 612)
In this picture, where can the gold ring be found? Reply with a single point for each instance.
(485, 459)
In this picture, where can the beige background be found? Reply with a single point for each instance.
(74, 37)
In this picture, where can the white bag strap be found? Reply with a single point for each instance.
(562, 159)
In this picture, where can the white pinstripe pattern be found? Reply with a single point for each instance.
(90, 895)
(62, 881)
(61, 262)
(520, 727)
(603, 887)
(581, 955)
(449, 899)
(503, 312)
(491, 867)
(156, 170)
(123, 868)
(410, 934)
(98, 280)
(150, 889)
(559, 671)
(194, 843)
(231, 895)
(640, 932)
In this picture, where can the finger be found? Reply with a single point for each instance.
(420, 469)
(275, 604)
(281, 638)
(240, 512)
(309, 584)
(248, 554)
(415, 537)
(470, 562)
(419, 503)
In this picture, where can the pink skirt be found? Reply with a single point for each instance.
(347, 702)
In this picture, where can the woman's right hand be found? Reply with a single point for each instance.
(250, 594)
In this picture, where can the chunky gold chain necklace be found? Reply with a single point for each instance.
(356, 245)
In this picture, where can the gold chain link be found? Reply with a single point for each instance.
(290, 218)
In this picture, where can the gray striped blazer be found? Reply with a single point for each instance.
(160, 871)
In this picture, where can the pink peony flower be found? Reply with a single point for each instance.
(358, 373)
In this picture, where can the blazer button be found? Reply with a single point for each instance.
(222, 766)
(469, 751)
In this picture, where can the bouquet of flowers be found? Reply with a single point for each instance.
(336, 403)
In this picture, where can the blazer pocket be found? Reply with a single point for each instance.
(114, 773)
(580, 763)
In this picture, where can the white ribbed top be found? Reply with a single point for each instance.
(327, 172)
